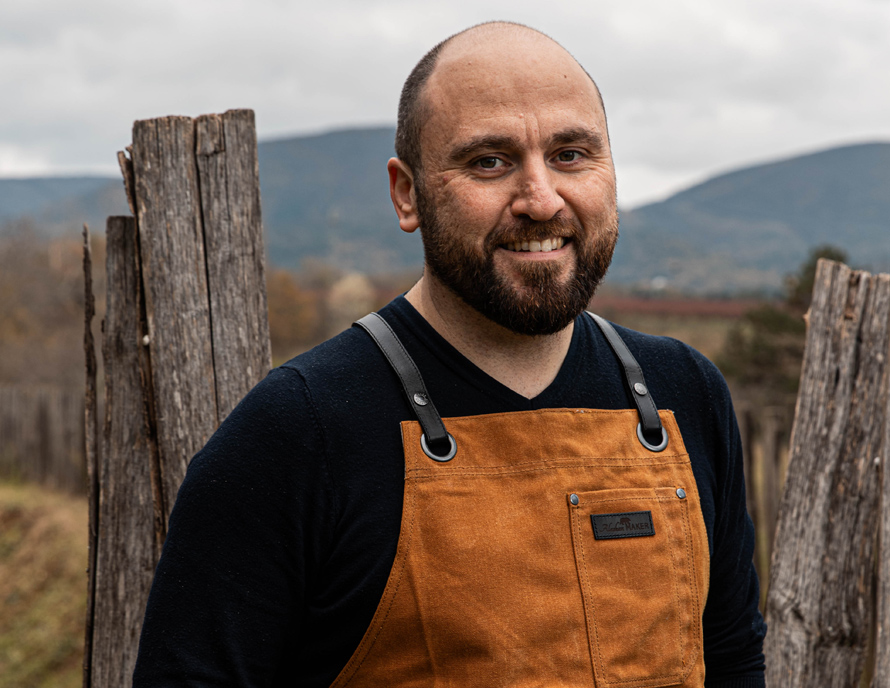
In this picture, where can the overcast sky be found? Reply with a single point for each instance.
(692, 87)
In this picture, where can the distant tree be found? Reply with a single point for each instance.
(799, 286)
(349, 298)
(765, 348)
(41, 305)
(294, 315)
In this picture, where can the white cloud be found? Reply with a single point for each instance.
(691, 86)
(20, 162)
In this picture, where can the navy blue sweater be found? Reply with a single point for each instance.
(285, 528)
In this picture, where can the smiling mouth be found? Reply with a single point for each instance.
(545, 246)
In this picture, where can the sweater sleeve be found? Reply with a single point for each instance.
(733, 626)
(229, 589)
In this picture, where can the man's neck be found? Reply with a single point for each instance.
(526, 364)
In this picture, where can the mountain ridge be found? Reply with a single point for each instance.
(764, 219)
(326, 196)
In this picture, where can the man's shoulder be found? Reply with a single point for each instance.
(282, 404)
(661, 349)
(676, 363)
(345, 355)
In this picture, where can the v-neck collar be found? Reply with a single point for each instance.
(417, 326)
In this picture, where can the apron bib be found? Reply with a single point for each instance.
(540, 548)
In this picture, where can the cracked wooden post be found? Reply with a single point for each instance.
(819, 605)
(186, 336)
(127, 551)
(881, 677)
(91, 450)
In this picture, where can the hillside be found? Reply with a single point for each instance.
(746, 229)
(59, 203)
(326, 196)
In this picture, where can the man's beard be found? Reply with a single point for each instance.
(542, 304)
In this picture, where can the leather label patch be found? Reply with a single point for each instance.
(626, 525)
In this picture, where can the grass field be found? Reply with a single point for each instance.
(43, 559)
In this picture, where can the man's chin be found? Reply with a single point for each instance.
(531, 311)
(533, 324)
(529, 279)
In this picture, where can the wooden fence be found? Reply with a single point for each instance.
(42, 436)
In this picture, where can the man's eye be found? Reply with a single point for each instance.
(489, 163)
(568, 156)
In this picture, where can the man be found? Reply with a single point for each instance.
(542, 524)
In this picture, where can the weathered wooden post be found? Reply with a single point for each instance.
(186, 336)
(819, 606)
(881, 677)
(91, 455)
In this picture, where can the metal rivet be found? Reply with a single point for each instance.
(681, 493)
(574, 499)
(640, 389)
(420, 399)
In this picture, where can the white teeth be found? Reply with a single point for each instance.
(537, 246)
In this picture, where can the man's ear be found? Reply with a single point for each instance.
(401, 190)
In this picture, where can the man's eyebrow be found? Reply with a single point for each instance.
(579, 135)
(593, 139)
(466, 149)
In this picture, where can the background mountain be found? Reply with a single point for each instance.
(746, 229)
(327, 197)
(58, 204)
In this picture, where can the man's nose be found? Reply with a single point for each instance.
(537, 196)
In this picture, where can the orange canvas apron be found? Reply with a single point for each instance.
(551, 548)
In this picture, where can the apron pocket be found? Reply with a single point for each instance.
(633, 551)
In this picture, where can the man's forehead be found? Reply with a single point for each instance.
(498, 58)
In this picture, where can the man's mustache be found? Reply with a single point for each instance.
(525, 229)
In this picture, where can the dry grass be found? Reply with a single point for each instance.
(43, 559)
(705, 334)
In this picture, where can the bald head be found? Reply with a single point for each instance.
(463, 56)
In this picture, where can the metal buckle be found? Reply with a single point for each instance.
(650, 447)
(442, 459)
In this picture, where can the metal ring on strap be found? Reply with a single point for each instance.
(652, 447)
(435, 457)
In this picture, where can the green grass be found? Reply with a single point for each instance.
(43, 559)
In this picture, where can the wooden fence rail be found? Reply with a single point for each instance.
(41, 436)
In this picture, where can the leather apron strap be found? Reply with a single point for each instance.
(650, 427)
(436, 442)
(439, 445)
